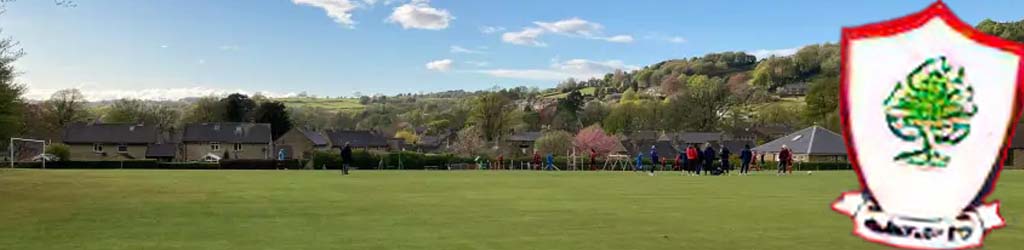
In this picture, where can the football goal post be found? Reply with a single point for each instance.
(26, 150)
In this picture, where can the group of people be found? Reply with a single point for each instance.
(692, 160)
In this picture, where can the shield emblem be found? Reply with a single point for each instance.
(928, 106)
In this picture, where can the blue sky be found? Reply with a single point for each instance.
(165, 49)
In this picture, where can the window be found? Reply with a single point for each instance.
(214, 146)
(122, 148)
(97, 148)
(238, 147)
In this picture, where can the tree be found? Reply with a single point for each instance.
(822, 99)
(555, 142)
(276, 114)
(934, 106)
(65, 107)
(11, 102)
(127, 111)
(469, 141)
(706, 101)
(237, 107)
(491, 113)
(594, 137)
(775, 72)
(623, 119)
(61, 151)
(205, 109)
(409, 137)
(1013, 31)
(594, 112)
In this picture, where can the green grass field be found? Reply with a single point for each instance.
(150, 209)
(324, 103)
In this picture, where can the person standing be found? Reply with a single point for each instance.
(745, 157)
(346, 158)
(501, 162)
(593, 159)
(551, 161)
(784, 157)
(725, 154)
(536, 160)
(655, 161)
(280, 159)
(692, 160)
(709, 159)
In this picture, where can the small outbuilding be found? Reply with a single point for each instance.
(813, 144)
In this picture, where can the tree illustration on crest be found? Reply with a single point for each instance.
(933, 107)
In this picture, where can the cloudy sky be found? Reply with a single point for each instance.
(167, 49)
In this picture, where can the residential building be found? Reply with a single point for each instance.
(300, 143)
(108, 142)
(365, 140)
(227, 141)
(813, 144)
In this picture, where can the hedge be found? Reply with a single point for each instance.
(152, 164)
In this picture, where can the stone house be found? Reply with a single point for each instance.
(301, 143)
(108, 142)
(227, 140)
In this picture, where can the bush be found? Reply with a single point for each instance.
(188, 165)
(63, 152)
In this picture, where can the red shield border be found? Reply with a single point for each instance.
(905, 24)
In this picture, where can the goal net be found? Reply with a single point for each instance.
(22, 151)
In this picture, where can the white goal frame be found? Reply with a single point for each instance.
(10, 148)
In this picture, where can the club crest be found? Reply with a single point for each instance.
(928, 105)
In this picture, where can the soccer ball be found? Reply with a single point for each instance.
(809, 172)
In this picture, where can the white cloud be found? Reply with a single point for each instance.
(676, 39)
(491, 29)
(202, 61)
(766, 53)
(573, 27)
(444, 65)
(460, 50)
(339, 10)
(528, 36)
(619, 39)
(164, 46)
(229, 47)
(418, 14)
(159, 94)
(557, 71)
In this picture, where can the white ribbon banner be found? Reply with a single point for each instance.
(964, 231)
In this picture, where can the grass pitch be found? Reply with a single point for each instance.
(113, 209)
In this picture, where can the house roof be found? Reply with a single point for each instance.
(433, 140)
(699, 137)
(356, 138)
(665, 149)
(122, 133)
(316, 138)
(526, 136)
(735, 146)
(229, 132)
(814, 140)
(644, 135)
(164, 150)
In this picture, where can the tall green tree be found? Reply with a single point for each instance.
(555, 142)
(237, 107)
(276, 114)
(492, 114)
(11, 103)
(706, 101)
(205, 109)
(65, 107)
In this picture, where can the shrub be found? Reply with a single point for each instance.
(63, 152)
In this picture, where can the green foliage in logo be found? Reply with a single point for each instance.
(933, 107)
